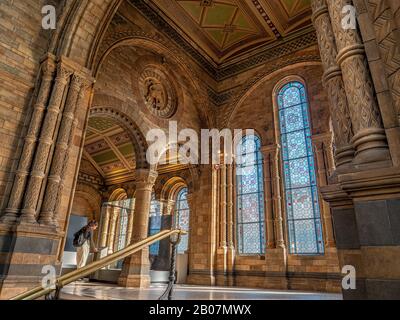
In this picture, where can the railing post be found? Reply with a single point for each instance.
(172, 272)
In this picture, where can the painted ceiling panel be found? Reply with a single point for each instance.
(109, 148)
(224, 27)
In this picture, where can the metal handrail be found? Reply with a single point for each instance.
(97, 265)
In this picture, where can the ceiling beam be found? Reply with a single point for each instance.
(93, 163)
(114, 148)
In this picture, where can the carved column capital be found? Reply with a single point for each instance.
(145, 179)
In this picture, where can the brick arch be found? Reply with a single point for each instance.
(82, 29)
(269, 72)
(172, 55)
(91, 195)
(171, 188)
(126, 122)
(83, 38)
(118, 194)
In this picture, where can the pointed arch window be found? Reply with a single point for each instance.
(302, 204)
(250, 197)
(155, 223)
(182, 218)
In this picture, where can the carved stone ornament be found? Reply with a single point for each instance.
(158, 94)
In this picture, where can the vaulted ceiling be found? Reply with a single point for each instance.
(109, 148)
(223, 29)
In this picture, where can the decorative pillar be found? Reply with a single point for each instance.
(333, 82)
(44, 147)
(231, 256)
(136, 270)
(48, 69)
(277, 197)
(223, 206)
(268, 153)
(276, 253)
(162, 262)
(112, 231)
(131, 217)
(105, 226)
(64, 143)
(369, 138)
(319, 143)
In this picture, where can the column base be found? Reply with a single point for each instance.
(371, 146)
(136, 271)
(135, 281)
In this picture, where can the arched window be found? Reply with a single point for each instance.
(302, 205)
(122, 207)
(155, 223)
(123, 223)
(250, 197)
(182, 217)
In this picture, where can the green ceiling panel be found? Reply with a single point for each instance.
(193, 8)
(105, 157)
(219, 15)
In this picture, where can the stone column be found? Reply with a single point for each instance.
(268, 153)
(130, 222)
(369, 138)
(222, 207)
(112, 230)
(333, 82)
(136, 270)
(44, 147)
(277, 196)
(17, 192)
(64, 143)
(319, 143)
(105, 225)
(162, 262)
(276, 254)
(231, 256)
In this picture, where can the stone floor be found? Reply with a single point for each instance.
(97, 291)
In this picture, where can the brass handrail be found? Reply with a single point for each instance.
(97, 265)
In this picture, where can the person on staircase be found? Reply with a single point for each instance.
(84, 244)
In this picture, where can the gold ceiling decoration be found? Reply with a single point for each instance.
(225, 28)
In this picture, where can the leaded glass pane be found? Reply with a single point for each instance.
(250, 197)
(154, 223)
(302, 205)
(182, 219)
(251, 238)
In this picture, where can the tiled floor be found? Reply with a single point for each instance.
(109, 292)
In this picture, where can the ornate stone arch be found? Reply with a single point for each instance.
(91, 195)
(75, 40)
(267, 73)
(171, 188)
(156, 44)
(118, 194)
(136, 135)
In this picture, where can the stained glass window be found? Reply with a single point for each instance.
(182, 216)
(123, 223)
(302, 204)
(122, 209)
(155, 223)
(250, 197)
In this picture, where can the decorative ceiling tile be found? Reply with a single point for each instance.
(224, 28)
